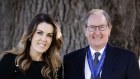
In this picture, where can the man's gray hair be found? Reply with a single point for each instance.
(98, 12)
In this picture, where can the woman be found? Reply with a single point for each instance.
(37, 54)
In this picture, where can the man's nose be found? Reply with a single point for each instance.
(97, 31)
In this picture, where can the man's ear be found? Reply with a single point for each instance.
(110, 28)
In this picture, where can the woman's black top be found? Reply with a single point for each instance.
(8, 69)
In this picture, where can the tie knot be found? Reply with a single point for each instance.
(97, 54)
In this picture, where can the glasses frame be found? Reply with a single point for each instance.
(93, 28)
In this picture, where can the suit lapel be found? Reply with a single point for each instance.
(109, 63)
(82, 63)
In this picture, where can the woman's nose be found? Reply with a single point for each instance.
(43, 38)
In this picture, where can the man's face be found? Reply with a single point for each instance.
(98, 38)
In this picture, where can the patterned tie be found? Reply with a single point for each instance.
(96, 61)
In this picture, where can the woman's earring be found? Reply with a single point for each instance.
(29, 39)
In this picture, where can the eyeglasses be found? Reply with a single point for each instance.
(93, 28)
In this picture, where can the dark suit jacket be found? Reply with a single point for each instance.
(118, 64)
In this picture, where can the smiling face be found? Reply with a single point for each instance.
(42, 38)
(97, 39)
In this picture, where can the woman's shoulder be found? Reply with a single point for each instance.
(7, 66)
(8, 56)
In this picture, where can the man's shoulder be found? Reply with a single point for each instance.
(76, 52)
(121, 51)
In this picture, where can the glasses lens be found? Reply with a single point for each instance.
(93, 28)
(102, 27)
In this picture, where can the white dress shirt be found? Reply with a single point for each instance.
(139, 62)
(87, 69)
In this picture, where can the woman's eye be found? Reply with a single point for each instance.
(50, 35)
(40, 33)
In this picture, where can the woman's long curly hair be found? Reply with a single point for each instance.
(51, 58)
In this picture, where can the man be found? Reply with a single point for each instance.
(100, 60)
(139, 62)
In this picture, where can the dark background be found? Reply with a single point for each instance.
(15, 15)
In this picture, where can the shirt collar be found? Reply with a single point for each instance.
(100, 51)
